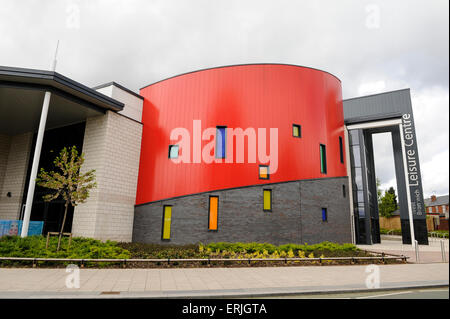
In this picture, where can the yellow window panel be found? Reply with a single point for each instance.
(267, 200)
(167, 222)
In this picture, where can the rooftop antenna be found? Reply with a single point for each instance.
(54, 59)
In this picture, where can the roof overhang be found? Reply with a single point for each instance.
(22, 93)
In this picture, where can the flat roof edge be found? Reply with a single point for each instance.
(375, 94)
(62, 80)
(237, 65)
(119, 86)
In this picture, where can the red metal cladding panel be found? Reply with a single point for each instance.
(258, 96)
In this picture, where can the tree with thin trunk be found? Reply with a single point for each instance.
(67, 182)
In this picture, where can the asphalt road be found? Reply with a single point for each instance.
(422, 293)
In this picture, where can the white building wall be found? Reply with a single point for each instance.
(111, 146)
(14, 173)
(132, 104)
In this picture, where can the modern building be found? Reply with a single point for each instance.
(256, 152)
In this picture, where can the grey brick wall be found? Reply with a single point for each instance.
(296, 215)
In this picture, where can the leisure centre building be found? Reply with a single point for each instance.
(255, 152)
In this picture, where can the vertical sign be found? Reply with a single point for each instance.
(412, 162)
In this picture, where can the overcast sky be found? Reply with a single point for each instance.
(372, 46)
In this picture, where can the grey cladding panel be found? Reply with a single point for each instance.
(378, 106)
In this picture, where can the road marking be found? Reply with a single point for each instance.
(392, 294)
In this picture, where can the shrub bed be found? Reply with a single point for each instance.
(34, 247)
(85, 248)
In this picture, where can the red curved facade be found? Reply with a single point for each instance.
(242, 96)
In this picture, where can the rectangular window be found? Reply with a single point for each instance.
(324, 215)
(221, 134)
(267, 193)
(166, 222)
(263, 172)
(341, 150)
(173, 151)
(296, 130)
(323, 159)
(344, 192)
(213, 212)
(356, 155)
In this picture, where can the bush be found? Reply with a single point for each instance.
(384, 231)
(328, 248)
(439, 233)
(83, 248)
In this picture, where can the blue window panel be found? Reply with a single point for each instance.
(221, 133)
(324, 214)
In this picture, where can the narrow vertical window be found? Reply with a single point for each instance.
(344, 191)
(341, 150)
(166, 222)
(173, 151)
(324, 215)
(323, 159)
(296, 130)
(267, 194)
(221, 134)
(263, 172)
(213, 212)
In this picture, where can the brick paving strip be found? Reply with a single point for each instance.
(213, 282)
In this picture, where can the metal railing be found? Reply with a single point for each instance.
(436, 235)
(124, 262)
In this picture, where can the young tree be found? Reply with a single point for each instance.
(388, 203)
(379, 192)
(67, 182)
(391, 190)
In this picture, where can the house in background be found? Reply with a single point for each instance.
(437, 207)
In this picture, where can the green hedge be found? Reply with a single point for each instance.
(384, 231)
(439, 233)
(85, 248)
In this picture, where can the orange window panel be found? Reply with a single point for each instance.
(213, 212)
(263, 172)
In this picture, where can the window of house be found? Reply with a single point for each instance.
(213, 212)
(267, 194)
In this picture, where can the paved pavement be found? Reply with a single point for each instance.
(214, 282)
(427, 253)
